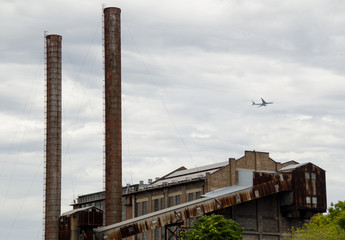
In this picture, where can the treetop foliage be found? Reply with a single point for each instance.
(330, 226)
(214, 227)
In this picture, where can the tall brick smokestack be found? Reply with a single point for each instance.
(113, 133)
(53, 137)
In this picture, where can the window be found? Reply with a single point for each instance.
(310, 175)
(313, 176)
(190, 222)
(156, 234)
(137, 209)
(314, 199)
(162, 232)
(314, 202)
(310, 178)
(162, 203)
(198, 195)
(155, 205)
(171, 201)
(170, 232)
(178, 199)
(190, 197)
(144, 208)
(307, 200)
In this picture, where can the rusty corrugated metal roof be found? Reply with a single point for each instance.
(189, 174)
(74, 211)
(293, 166)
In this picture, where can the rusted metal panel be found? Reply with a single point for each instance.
(193, 209)
(64, 228)
(310, 187)
(262, 177)
(91, 217)
(321, 190)
(309, 190)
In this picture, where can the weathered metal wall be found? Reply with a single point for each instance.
(310, 187)
(113, 145)
(65, 228)
(91, 218)
(53, 137)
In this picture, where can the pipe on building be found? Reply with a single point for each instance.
(53, 137)
(113, 138)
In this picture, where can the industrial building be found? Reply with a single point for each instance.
(264, 196)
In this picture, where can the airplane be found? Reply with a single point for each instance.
(262, 104)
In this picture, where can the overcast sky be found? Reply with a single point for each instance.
(190, 70)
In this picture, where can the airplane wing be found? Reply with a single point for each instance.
(264, 102)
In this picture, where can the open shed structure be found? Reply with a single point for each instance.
(79, 223)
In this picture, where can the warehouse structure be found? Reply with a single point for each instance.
(264, 196)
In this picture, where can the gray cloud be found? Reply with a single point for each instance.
(190, 70)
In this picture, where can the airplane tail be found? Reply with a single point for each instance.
(253, 103)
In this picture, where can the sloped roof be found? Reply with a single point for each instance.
(74, 211)
(205, 168)
(189, 174)
(293, 166)
(225, 191)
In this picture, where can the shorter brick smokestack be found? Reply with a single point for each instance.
(53, 138)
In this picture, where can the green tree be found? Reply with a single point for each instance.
(214, 227)
(330, 226)
(337, 213)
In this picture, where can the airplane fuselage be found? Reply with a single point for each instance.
(262, 104)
